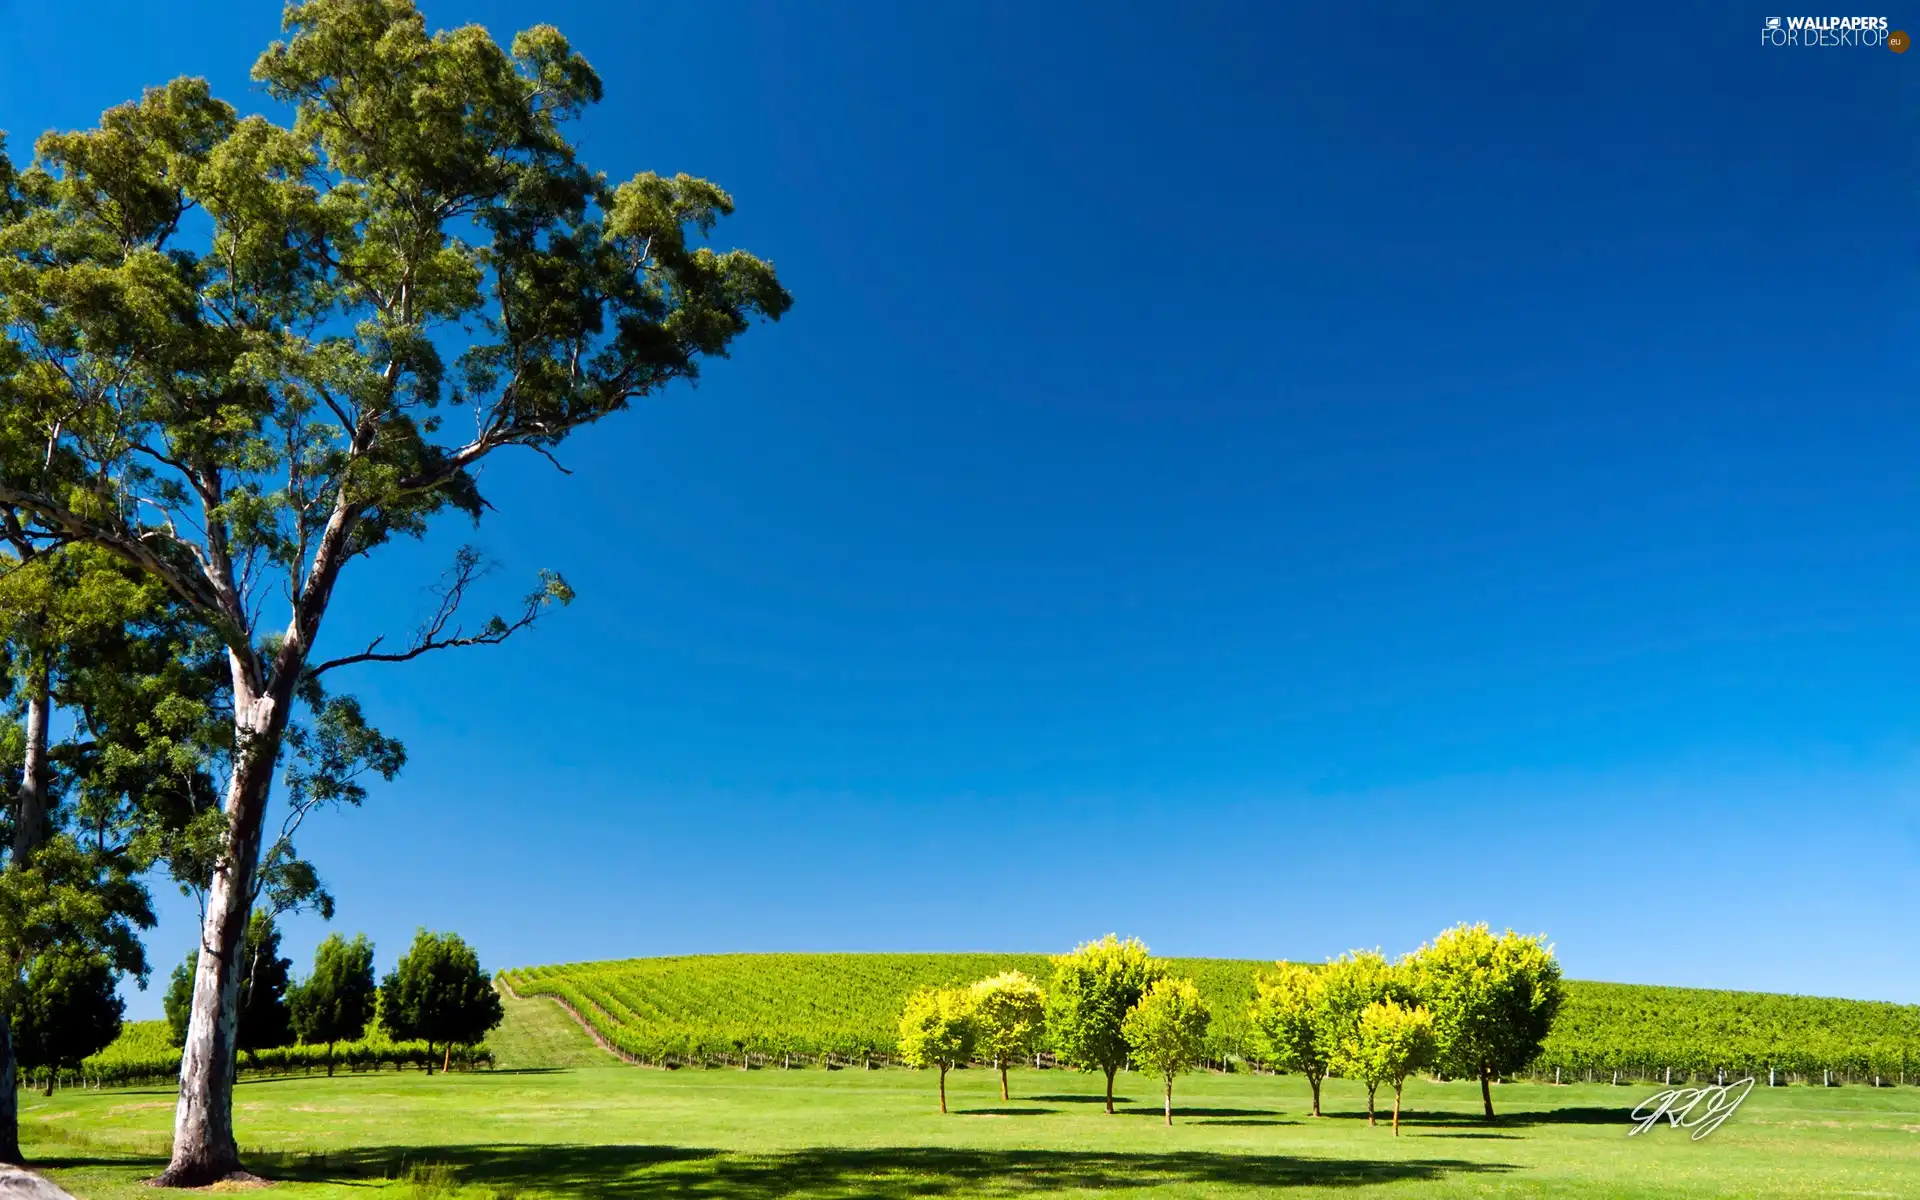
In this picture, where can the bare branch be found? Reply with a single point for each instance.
(440, 633)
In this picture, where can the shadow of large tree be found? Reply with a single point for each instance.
(879, 1172)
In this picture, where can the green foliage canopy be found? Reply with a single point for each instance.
(1493, 998)
(336, 1001)
(265, 1021)
(1009, 1016)
(71, 1009)
(1093, 989)
(937, 1030)
(1289, 1018)
(1389, 1042)
(1167, 1031)
(438, 994)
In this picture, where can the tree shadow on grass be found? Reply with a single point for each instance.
(1242, 1120)
(1552, 1116)
(1178, 1112)
(1003, 1112)
(1094, 1099)
(574, 1171)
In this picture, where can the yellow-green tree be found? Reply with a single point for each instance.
(1167, 1031)
(1389, 1043)
(1093, 990)
(937, 1030)
(1288, 1019)
(1493, 1000)
(1349, 985)
(1009, 1015)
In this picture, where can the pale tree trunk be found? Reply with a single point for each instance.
(204, 1149)
(1110, 1071)
(30, 809)
(1396, 1108)
(1169, 1100)
(1003, 1080)
(29, 829)
(446, 1063)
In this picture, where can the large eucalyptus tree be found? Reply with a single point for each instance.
(247, 355)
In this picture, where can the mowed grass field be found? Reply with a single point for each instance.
(611, 1130)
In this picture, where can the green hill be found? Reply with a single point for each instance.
(707, 1006)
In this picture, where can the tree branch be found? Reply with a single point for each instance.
(435, 634)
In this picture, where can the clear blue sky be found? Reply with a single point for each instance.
(1266, 481)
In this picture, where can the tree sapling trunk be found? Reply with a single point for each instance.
(1169, 1098)
(1371, 1089)
(1396, 1108)
(1110, 1071)
(943, 1088)
(1313, 1081)
(1003, 1079)
(1486, 1088)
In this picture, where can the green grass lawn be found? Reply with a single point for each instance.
(628, 1131)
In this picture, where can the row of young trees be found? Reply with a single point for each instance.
(437, 993)
(1470, 1003)
(228, 351)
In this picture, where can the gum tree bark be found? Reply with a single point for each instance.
(30, 815)
(30, 808)
(204, 1146)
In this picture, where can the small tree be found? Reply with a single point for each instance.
(1288, 1019)
(178, 1001)
(937, 1030)
(66, 900)
(1167, 1031)
(438, 994)
(1009, 1015)
(265, 1021)
(1093, 990)
(1349, 985)
(71, 1009)
(1391, 1041)
(1493, 1000)
(335, 1003)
